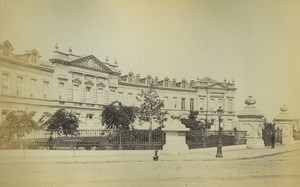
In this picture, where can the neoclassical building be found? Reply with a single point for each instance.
(84, 84)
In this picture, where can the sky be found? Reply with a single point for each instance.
(254, 42)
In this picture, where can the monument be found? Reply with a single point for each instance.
(175, 136)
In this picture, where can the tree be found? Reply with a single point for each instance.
(151, 109)
(118, 116)
(17, 123)
(200, 125)
(62, 122)
(192, 122)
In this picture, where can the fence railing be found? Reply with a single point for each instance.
(198, 139)
(119, 140)
(90, 139)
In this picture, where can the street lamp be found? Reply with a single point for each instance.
(120, 144)
(219, 147)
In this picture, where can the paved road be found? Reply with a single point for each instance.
(269, 171)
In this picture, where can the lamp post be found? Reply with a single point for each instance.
(219, 147)
(120, 144)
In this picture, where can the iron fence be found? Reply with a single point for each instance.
(119, 140)
(90, 140)
(199, 139)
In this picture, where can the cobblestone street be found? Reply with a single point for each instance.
(276, 170)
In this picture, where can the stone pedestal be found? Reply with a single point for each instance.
(251, 120)
(175, 137)
(284, 122)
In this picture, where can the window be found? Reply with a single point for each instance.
(175, 102)
(192, 104)
(6, 51)
(183, 84)
(4, 83)
(61, 87)
(130, 77)
(34, 58)
(182, 103)
(230, 105)
(19, 86)
(89, 116)
(166, 83)
(32, 87)
(201, 103)
(76, 93)
(212, 105)
(220, 103)
(148, 81)
(166, 102)
(45, 88)
(88, 94)
(4, 114)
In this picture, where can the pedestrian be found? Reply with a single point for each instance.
(272, 139)
(50, 142)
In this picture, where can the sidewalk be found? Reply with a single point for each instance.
(194, 156)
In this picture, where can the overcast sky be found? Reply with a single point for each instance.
(255, 42)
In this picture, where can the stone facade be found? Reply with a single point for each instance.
(84, 84)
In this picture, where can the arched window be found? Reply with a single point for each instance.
(166, 82)
(130, 78)
(34, 58)
(183, 84)
(148, 80)
(6, 50)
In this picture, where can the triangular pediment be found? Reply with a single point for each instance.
(217, 85)
(91, 62)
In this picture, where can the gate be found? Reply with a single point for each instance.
(278, 135)
(267, 135)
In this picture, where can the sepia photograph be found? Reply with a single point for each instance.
(130, 93)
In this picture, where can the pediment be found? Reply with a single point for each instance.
(89, 83)
(217, 86)
(76, 81)
(91, 62)
(101, 85)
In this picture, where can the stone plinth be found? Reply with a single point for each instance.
(175, 137)
(284, 122)
(251, 120)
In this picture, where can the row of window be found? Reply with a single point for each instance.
(165, 83)
(215, 103)
(21, 88)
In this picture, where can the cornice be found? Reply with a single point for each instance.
(26, 64)
(157, 87)
(212, 88)
(58, 61)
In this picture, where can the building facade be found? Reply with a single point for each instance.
(84, 85)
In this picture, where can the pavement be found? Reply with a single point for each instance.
(241, 154)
